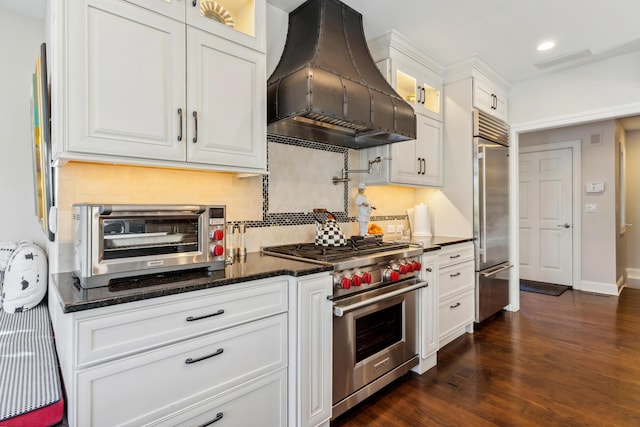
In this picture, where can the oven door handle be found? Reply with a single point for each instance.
(339, 310)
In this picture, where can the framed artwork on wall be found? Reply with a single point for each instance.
(41, 143)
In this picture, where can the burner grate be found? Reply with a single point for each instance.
(354, 248)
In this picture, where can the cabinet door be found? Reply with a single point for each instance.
(489, 98)
(429, 313)
(226, 98)
(314, 355)
(430, 150)
(418, 88)
(240, 21)
(419, 161)
(125, 81)
(404, 161)
(172, 8)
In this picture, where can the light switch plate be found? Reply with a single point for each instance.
(594, 187)
(591, 207)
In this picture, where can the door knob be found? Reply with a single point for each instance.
(565, 225)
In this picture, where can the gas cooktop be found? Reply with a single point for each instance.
(354, 247)
(357, 253)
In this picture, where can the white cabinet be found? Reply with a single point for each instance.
(122, 95)
(226, 97)
(413, 73)
(488, 97)
(418, 79)
(241, 21)
(428, 318)
(417, 162)
(456, 284)
(310, 368)
(168, 360)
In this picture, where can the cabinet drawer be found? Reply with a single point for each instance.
(121, 331)
(456, 254)
(142, 388)
(455, 279)
(456, 312)
(259, 403)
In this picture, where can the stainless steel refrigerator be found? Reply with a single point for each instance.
(491, 213)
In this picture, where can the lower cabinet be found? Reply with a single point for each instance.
(456, 284)
(428, 318)
(310, 355)
(175, 360)
(145, 388)
(259, 403)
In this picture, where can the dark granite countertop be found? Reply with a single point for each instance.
(437, 242)
(257, 266)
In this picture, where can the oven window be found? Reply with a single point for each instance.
(134, 237)
(379, 330)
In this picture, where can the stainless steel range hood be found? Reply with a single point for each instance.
(326, 87)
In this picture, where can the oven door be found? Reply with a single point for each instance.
(374, 337)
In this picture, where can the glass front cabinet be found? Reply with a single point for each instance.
(241, 21)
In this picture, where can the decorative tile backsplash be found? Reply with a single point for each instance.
(275, 207)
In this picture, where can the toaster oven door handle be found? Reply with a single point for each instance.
(341, 310)
(109, 209)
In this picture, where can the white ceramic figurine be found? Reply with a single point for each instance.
(364, 210)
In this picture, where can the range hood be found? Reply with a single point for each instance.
(326, 87)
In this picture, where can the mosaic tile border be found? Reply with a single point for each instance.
(297, 218)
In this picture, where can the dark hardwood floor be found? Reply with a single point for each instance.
(572, 360)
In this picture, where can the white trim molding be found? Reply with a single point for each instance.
(633, 278)
(601, 287)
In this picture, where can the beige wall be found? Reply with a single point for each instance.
(20, 39)
(598, 234)
(633, 207)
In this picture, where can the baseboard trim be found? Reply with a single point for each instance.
(633, 278)
(600, 288)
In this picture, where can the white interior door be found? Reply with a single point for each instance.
(546, 212)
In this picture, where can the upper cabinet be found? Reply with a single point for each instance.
(241, 21)
(489, 97)
(415, 76)
(139, 84)
(418, 79)
(417, 162)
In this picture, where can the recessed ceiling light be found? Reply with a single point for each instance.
(546, 46)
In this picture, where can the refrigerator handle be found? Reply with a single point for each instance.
(496, 270)
(483, 205)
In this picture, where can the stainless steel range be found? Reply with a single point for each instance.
(375, 308)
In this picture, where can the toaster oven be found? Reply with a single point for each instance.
(115, 241)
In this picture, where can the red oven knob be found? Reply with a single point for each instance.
(356, 280)
(366, 278)
(217, 235)
(403, 269)
(391, 275)
(345, 283)
(416, 266)
(217, 250)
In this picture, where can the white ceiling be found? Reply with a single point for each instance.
(504, 33)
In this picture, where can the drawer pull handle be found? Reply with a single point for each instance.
(456, 305)
(218, 417)
(455, 275)
(454, 256)
(429, 269)
(189, 361)
(192, 319)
